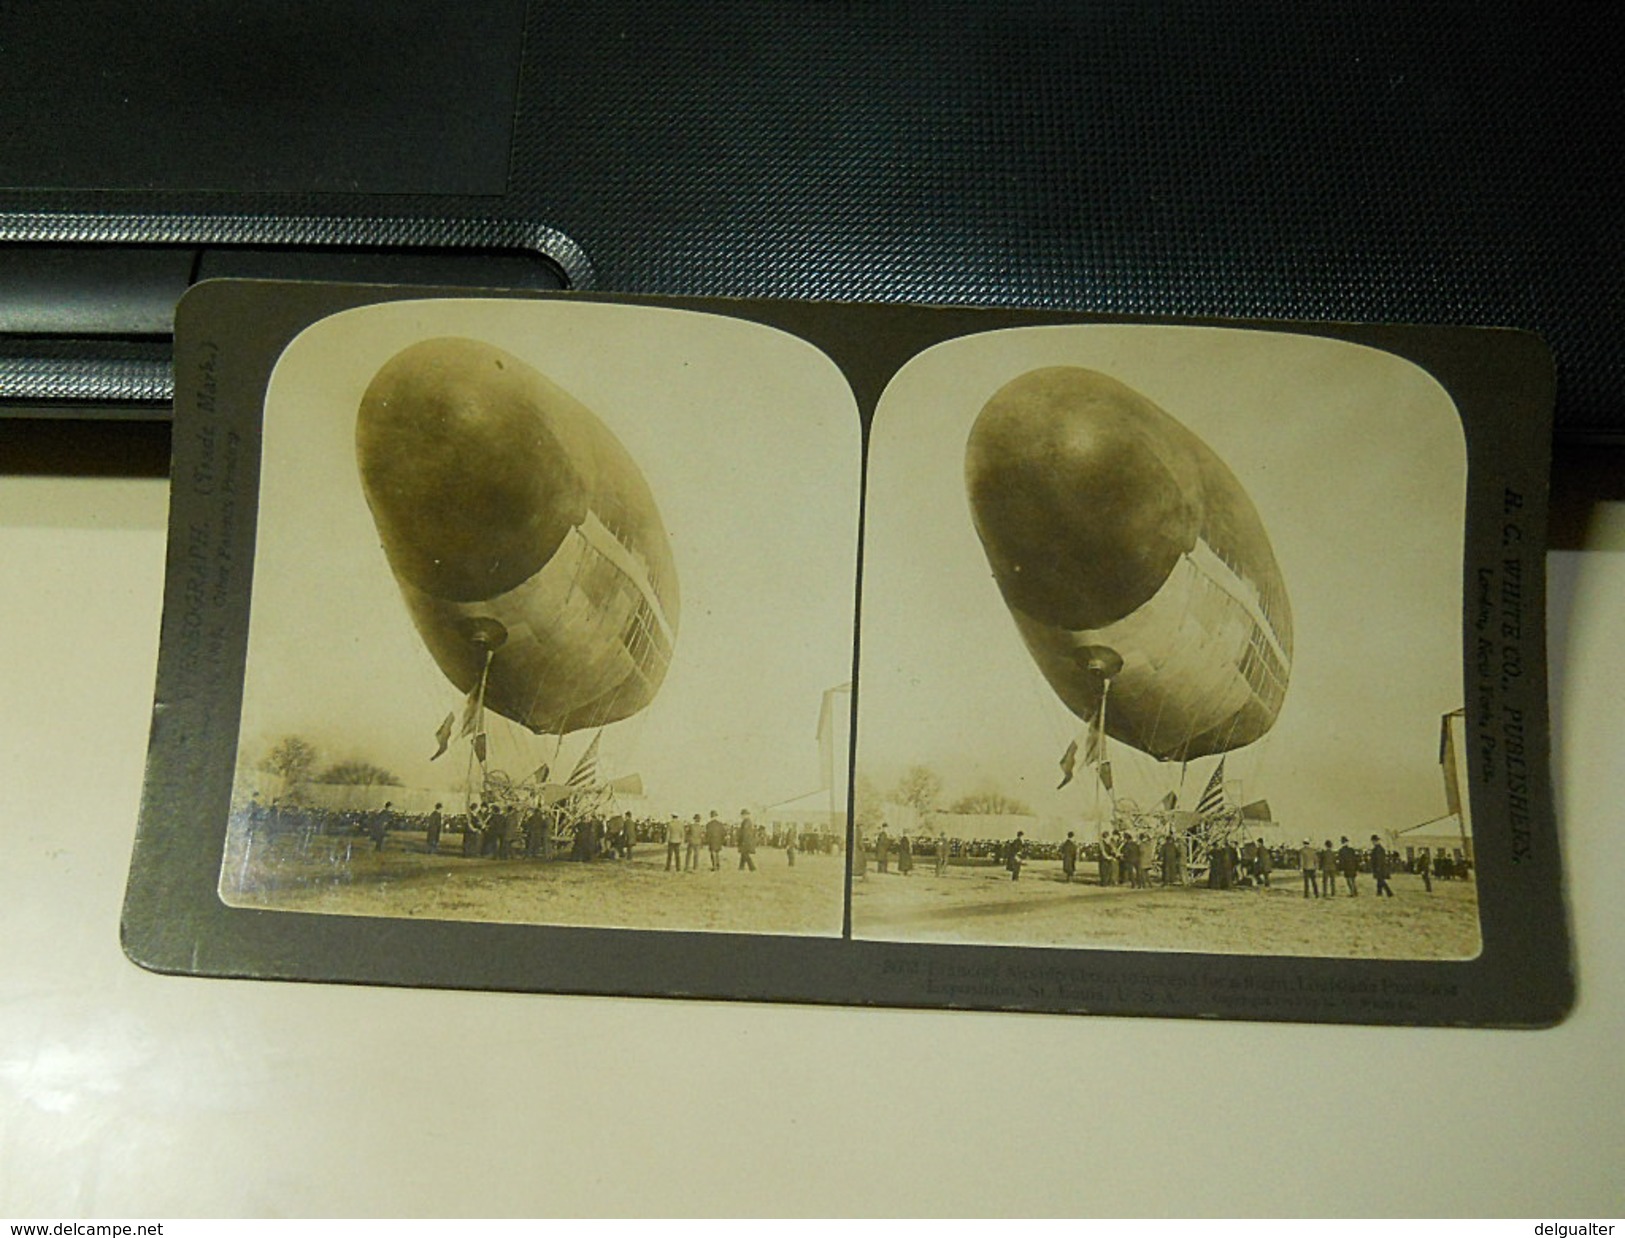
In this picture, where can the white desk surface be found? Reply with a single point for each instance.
(126, 1094)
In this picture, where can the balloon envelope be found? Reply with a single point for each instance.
(1133, 562)
(518, 529)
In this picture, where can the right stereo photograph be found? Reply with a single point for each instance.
(1161, 649)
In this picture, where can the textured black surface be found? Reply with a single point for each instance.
(325, 95)
(1445, 163)
(40, 375)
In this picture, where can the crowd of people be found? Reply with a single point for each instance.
(1141, 858)
(502, 829)
(499, 829)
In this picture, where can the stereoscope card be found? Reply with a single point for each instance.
(527, 641)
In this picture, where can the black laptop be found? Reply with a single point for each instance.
(1447, 163)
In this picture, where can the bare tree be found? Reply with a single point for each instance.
(867, 801)
(920, 789)
(291, 758)
(991, 800)
(358, 773)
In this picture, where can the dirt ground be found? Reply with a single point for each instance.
(346, 876)
(970, 905)
(983, 906)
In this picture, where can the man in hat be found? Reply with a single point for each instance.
(1014, 854)
(691, 844)
(1328, 871)
(714, 834)
(746, 841)
(674, 844)
(436, 823)
(1308, 862)
(1380, 867)
(1348, 861)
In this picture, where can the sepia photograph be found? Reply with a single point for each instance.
(551, 622)
(528, 643)
(1161, 649)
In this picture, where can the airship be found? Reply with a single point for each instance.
(1133, 563)
(524, 539)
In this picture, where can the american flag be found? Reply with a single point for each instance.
(1213, 798)
(586, 769)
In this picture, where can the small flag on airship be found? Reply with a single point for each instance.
(471, 712)
(1069, 763)
(443, 735)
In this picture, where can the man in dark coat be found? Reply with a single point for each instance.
(1014, 853)
(691, 844)
(539, 832)
(504, 830)
(1328, 871)
(1262, 864)
(1227, 858)
(379, 825)
(1173, 861)
(437, 822)
(581, 842)
(715, 832)
(1069, 856)
(1108, 858)
(1348, 863)
(747, 841)
(1130, 859)
(1380, 867)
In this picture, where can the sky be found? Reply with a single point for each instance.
(750, 441)
(1356, 462)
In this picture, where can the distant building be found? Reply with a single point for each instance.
(1458, 800)
(968, 825)
(1447, 833)
(834, 747)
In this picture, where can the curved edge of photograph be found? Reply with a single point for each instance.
(466, 696)
(1199, 797)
